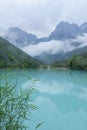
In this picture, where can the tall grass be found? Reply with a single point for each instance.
(15, 104)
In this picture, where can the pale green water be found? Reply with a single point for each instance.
(62, 98)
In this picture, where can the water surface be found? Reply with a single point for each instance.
(61, 98)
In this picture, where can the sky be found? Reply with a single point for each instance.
(41, 16)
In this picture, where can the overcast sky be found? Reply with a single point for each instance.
(41, 16)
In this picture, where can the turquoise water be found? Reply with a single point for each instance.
(61, 98)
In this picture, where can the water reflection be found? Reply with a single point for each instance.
(62, 98)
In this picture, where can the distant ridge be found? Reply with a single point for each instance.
(62, 31)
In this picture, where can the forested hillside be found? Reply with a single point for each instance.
(14, 57)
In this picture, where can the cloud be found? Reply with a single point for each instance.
(54, 47)
(81, 39)
(51, 47)
(41, 16)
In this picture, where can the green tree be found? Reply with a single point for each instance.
(78, 62)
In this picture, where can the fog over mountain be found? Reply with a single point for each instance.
(62, 31)
(53, 47)
(51, 51)
(64, 41)
(19, 37)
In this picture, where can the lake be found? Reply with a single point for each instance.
(61, 98)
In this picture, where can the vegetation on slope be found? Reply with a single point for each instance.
(76, 62)
(14, 57)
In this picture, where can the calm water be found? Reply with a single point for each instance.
(61, 98)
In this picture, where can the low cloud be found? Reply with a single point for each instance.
(54, 47)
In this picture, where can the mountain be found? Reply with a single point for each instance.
(12, 56)
(65, 40)
(83, 27)
(19, 37)
(71, 39)
(65, 30)
(62, 31)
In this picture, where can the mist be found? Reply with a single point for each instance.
(54, 47)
